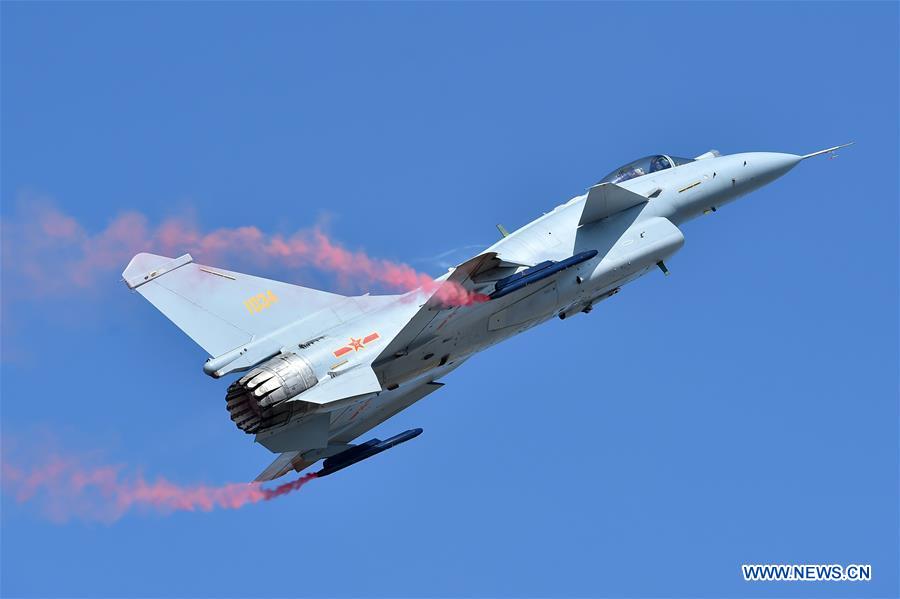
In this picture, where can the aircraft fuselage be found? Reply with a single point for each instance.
(322, 368)
(629, 244)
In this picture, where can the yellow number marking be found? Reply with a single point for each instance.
(260, 302)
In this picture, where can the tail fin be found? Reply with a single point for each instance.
(220, 309)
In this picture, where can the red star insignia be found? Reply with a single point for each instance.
(356, 344)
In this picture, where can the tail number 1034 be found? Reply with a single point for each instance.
(260, 302)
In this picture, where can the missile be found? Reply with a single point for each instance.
(538, 272)
(364, 451)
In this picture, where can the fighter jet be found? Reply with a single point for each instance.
(318, 369)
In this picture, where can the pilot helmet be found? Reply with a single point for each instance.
(659, 163)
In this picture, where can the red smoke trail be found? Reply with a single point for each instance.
(55, 253)
(288, 487)
(65, 489)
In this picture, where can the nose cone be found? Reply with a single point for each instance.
(765, 167)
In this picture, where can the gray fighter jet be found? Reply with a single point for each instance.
(321, 369)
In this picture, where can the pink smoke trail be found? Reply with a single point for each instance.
(67, 489)
(55, 253)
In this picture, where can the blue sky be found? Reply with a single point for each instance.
(742, 410)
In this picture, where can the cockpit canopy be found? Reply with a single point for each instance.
(644, 166)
